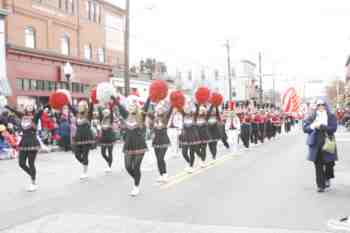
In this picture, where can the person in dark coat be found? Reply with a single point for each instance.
(319, 125)
(64, 130)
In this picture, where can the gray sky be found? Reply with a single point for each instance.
(299, 39)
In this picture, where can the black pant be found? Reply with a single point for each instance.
(133, 167)
(107, 154)
(22, 161)
(202, 152)
(287, 126)
(245, 135)
(261, 134)
(189, 157)
(324, 171)
(255, 134)
(213, 149)
(224, 136)
(160, 154)
(279, 129)
(81, 153)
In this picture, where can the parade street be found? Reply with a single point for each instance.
(267, 189)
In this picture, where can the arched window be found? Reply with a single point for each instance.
(30, 37)
(70, 6)
(65, 45)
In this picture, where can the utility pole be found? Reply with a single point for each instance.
(126, 48)
(227, 45)
(274, 91)
(260, 81)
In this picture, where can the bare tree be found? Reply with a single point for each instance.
(335, 90)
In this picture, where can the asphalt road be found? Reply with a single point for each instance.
(270, 188)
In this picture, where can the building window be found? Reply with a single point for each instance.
(65, 45)
(33, 85)
(49, 85)
(19, 84)
(88, 52)
(72, 7)
(97, 13)
(87, 8)
(100, 14)
(69, 6)
(40, 85)
(63, 85)
(26, 84)
(93, 11)
(30, 37)
(54, 85)
(86, 88)
(101, 55)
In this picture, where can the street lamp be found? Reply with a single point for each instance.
(68, 73)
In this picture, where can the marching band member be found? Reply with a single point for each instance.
(270, 130)
(214, 130)
(83, 139)
(29, 144)
(108, 136)
(161, 140)
(201, 119)
(261, 121)
(255, 127)
(246, 128)
(135, 145)
(189, 137)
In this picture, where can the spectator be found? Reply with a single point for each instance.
(319, 125)
(47, 125)
(64, 131)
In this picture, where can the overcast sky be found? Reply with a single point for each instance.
(298, 39)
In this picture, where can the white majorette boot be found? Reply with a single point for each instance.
(108, 170)
(135, 191)
(165, 178)
(202, 164)
(189, 169)
(32, 187)
(160, 179)
(85, 173)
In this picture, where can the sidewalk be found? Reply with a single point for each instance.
(82, 223)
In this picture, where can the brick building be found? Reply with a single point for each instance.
(43, 35)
